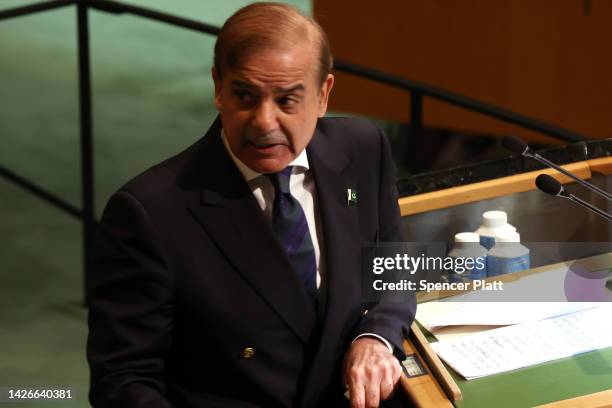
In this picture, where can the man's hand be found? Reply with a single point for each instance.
(370, 372)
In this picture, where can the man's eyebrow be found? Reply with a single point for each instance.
(291, 88)
(288, 89)
(242, 84)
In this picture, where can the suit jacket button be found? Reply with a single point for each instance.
(365, 312)
(248, 352)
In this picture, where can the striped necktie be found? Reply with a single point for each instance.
(291, 228)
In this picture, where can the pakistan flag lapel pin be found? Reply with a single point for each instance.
(351, 197)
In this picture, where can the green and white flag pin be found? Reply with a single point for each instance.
(351, 196)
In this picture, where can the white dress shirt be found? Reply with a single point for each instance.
(302, 188)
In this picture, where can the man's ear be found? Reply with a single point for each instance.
(217, 81)
(324, 94)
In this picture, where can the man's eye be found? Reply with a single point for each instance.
(244, 96)
(287, 101)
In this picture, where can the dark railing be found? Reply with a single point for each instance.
(417, 91)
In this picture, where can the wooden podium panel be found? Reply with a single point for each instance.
(489, 189)
(423, 391)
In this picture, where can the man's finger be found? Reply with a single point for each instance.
(357, 392)
(374, 377)
(387, 383)
(372, 392)
(391, 379)
(398, 372)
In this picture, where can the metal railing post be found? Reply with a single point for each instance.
(87, 175)
(416, 111)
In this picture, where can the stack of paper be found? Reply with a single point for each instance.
(471, 317)
(480, 335)
(526, 344)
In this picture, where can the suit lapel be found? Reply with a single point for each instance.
(231, 216)
(332, 171)
(332, 174)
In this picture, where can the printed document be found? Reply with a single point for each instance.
(523, 345)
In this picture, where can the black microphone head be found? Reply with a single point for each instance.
(515, 145)
(549, 185)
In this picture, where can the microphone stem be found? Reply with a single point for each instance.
(583, 203)
(560, 169)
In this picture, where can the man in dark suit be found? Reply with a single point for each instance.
(229, 275)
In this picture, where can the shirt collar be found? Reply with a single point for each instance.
(300, 162)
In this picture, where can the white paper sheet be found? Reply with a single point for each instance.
(527, 344)
(450, 333)
(434, 315)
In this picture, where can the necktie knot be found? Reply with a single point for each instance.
(280, 180)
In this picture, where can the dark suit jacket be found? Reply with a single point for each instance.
(188, 273)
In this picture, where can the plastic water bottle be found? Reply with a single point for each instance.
(468, 247)
(508, 255)
(493, 224)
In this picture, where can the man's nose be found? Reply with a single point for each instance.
(264, 117)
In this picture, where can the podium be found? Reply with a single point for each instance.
(580, 381)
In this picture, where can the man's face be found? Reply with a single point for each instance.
(269, 106)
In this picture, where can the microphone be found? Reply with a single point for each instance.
(516, 145)
(549, 185)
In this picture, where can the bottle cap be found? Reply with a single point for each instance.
(467, 237)
(508, 236)
(494, 219)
